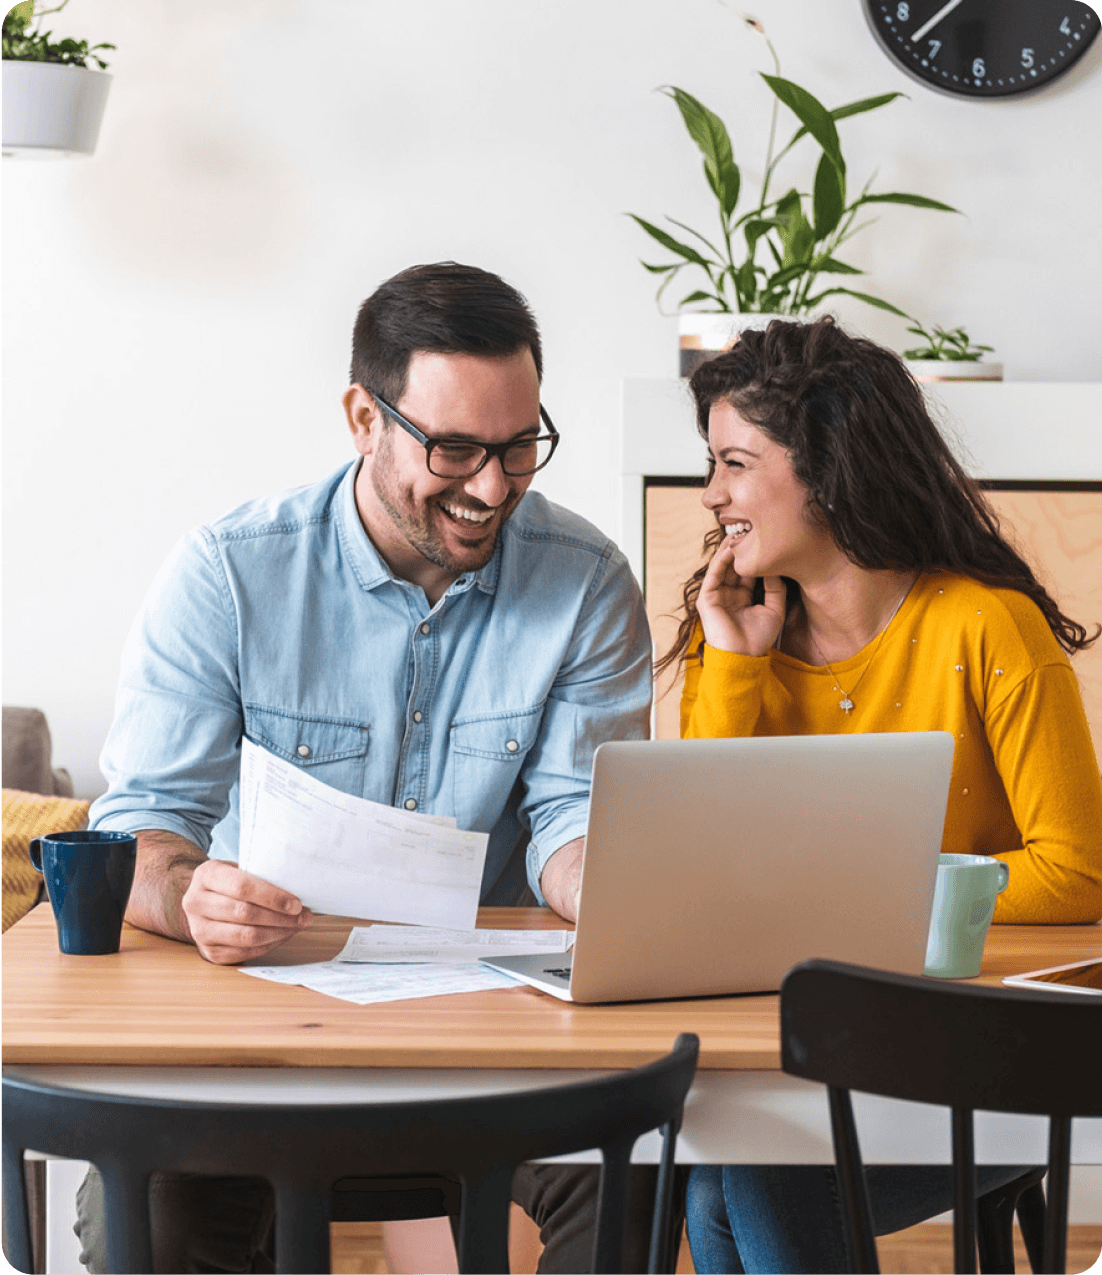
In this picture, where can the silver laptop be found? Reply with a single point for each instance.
(713, 866)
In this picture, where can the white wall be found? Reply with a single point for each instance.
(178, 308)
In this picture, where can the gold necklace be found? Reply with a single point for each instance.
(846, 702)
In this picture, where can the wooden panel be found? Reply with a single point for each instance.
(676, 524)
(1060, 532)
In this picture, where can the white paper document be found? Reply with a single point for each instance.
(345, 855)
(394, 944)
(369, 984)
(402, 962)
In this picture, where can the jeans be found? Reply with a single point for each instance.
(788, 1217)
(205, 1224)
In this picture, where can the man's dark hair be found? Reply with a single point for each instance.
(446, 308)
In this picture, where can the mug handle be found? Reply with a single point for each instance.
(1004, 876)
(36, 853)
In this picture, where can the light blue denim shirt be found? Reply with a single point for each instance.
(281, 622)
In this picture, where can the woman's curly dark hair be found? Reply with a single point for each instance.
(879, 475)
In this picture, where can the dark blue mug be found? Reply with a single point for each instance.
(88, 878)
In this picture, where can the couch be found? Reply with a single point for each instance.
(38, 798)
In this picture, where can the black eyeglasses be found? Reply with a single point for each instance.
(457, 458)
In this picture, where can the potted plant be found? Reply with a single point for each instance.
(780, 256)
(950, 355)
(53, 100)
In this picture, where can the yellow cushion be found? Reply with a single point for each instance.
(27, 815)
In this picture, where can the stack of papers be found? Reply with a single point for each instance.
(400, 962)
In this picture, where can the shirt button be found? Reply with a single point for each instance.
(512, 745)
(425, 628)
(411, 804)
(418, 716)
(303, 750)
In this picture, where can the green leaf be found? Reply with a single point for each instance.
(758, 226)
(784, 277)
(829, 198)
(863, 296)
(745, 282)
(697, 296)
(787, 203)
(798, 249)
(913, 201)
(812, 114)
(831, 265)
(796, 233)
(713, 141)
(659, 269)
(21, 13)
(726, 185)
(668, 241)
(854, 108)
(864, 104)
(697, 235)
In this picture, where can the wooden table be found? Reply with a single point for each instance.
(156, 1018)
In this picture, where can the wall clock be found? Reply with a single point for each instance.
(983, 48)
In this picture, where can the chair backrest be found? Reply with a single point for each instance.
(960, 1046)
(303, 1149)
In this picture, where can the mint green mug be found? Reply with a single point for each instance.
(964, 903)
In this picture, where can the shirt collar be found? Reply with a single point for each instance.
(364, 559)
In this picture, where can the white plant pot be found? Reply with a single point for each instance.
(925, 370)
(51, 110)
(702, 336)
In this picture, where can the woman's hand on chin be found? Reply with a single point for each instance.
(730, 620)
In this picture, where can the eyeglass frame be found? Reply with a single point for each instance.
(491, 449)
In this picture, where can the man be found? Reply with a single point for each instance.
(415, 629)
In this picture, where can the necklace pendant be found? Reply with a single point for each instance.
(846, 705)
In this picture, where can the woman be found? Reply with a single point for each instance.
(859, 582)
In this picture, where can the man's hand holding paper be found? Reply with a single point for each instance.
(344, 855)
(234, 916)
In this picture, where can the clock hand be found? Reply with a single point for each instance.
(929, 26)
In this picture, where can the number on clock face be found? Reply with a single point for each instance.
(984, 48)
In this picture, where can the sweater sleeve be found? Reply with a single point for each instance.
(1042, 748)
(723, 695)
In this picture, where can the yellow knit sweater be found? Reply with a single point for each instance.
(983, 664)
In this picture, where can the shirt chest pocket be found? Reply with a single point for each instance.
(487, 753)
(332, 749)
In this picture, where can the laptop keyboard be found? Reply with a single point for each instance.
(563, 974)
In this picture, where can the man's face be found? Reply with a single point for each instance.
(431, 529)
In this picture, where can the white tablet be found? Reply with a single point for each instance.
(1084, 978)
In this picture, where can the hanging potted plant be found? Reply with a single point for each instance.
(779, 257)
(950, 355)
(53, 100)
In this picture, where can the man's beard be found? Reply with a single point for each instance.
(419, 523)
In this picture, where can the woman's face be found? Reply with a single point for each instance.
(759, 501)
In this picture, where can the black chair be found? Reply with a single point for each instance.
(304, 1149)
(963, 1047)
(995, 1223)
